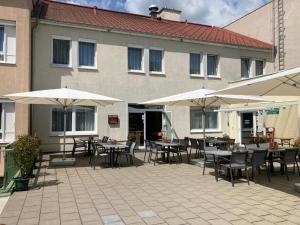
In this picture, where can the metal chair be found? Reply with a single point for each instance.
(156, 149)
(289, 157)
(201, 147)
(78, 144)
(209, 158)
(147, 148)
(258, 159)
(238, 161)
(194, 145)
(98, 152)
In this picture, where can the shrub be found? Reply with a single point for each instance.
(25, 150)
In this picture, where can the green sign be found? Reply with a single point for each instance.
(274, 111)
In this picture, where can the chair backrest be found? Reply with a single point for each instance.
(263, 146)
(147, 144)
(201, 144)
(258, 157)
(105, 139)
(132, 148)
(290, 155)
(251, 146)
(194, 143)
(210, 148)
(152, 145)
(238, 158)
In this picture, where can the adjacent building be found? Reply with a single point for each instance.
(135, 58)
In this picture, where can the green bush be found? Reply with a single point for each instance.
(25, 150)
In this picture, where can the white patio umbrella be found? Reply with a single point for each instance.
(283, 83)
(204, 98)
(65, 97)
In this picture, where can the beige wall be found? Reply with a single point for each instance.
(112, 78)
(16, 77)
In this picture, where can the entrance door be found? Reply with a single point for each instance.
(136, 127)
(153, 125)
(246, 127)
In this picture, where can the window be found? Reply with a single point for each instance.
(135, 59)
(212, 65)
(259, 67)
(7, 121)
(245, 67)
(155, 60)
(211, 122)
(87, 53)
(8, 42)
(195, 63)
(1, 43)
(61, 52)
(79, 119)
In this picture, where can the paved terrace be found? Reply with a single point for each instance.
(163, 194)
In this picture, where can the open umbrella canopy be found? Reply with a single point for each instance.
(203, 97)
(284, 83)
(62, 96)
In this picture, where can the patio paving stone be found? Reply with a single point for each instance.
(164, 194)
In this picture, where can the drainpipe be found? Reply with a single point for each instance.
(34, 25)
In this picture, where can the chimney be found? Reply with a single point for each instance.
(153, 11)
(95, 10)
(170, 14)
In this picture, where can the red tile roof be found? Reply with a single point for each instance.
(76, 14)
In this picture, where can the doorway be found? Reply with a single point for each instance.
(247, 127)
(136, 128)
(153, 126)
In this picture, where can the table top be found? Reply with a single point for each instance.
(168, 144)
(219, 153)
(283, 138)
(111, 145)
(214, 141)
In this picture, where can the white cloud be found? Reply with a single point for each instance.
(215, 12)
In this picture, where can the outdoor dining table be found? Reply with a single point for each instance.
(111, 147)
(167, 146)
(216, 142)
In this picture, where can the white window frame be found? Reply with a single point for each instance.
(264, 66)
(142, 71)
(70, 51)
(162, 61)
(250, 72)
(95, 57)
(73, 132)
(6, 23)
(217, 75)
(217, 130)
(201, 75)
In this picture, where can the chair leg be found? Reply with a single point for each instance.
(150, 156)
(216, 172)
(268, 172)
(247, 175)
(145, 154)
(286, 171)
(231, 177)
(203, 168)
(73, 151)
(156, 154)
(252, 172)
(298, 168)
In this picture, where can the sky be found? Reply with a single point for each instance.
(213, 12)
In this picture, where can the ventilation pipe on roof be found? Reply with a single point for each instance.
(153, 11)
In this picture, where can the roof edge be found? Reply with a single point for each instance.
(136, 33)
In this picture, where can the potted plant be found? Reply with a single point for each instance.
(25, 150)
(297, 143)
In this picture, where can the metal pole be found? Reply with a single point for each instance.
(203, 123)
(65, 125)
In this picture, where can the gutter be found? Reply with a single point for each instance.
(142, 34)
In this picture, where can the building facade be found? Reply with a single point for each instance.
(134, 58)
(277, 22)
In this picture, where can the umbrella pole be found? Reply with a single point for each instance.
(65, 124)
(203, 123)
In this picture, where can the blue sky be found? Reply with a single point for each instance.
(214, 12)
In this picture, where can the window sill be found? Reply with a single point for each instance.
(216, 77)
(70, 134)
(87, 68)
(196, 76)
(200, 131)
(137, 72)
(61, 66)
(157, 73)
